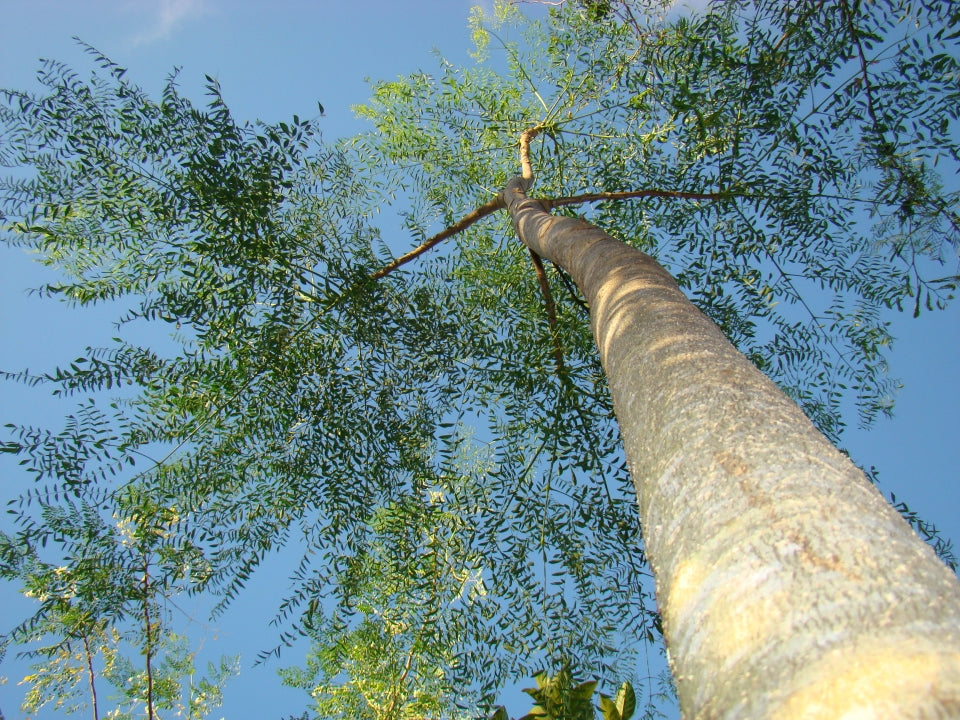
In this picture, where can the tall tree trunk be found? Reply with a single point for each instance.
(787, 585)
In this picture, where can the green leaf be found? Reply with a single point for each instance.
(626, 701)
(609, 709)
(583, 691)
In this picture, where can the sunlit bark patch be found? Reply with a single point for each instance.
(882, 679)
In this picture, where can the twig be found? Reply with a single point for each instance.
(568, 283)
(631, 194)
(551, 308)
(880, 128)
(90, 676)
(148, 648)
(864, 71)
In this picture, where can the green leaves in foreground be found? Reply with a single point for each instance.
(560, 697)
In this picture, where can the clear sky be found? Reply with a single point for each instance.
(279, 58)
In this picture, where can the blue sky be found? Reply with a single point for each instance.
(280, 58)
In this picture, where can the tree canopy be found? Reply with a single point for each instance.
(792, 164)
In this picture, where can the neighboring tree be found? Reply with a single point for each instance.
(109, 598)
(315, 381)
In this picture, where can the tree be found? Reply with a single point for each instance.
(317, 379)
(107, 597)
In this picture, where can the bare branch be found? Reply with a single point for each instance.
(466, 221)
(551, 308)
(632, 194)
(525, 137)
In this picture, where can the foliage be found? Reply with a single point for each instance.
(175, 684)
(106, 599)
(560, 697)
(300, 403)
(386, 657)
(768, 104)
(928, 532)
(358, 389)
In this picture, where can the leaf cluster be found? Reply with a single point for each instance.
(560, 697)
(786, 112)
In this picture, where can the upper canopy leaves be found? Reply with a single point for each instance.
(834, 175)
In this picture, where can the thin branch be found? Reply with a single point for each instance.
(786, 277)
(551, 308)
(90, 677)
(466, 221)
(799, 23)
(878, 127)
(864, 72)
(571, 289)
(525, 137)
(148, 649)
(550, 203)
(399, 686)
(520, 67)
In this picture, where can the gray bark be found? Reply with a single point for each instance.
(787, 585)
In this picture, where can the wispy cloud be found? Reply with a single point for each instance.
(164, 16)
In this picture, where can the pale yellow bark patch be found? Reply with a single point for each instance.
(743, 617)
(878, 681)
(685, 588)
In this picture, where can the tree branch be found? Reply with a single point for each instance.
(551, 308)
(571, 290)
(466, 221)
(526, 168)
(630, 195)
(148, 648)
(880, 128)
(492, 206)
(90, 677)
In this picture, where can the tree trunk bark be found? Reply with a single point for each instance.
(787, 585)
